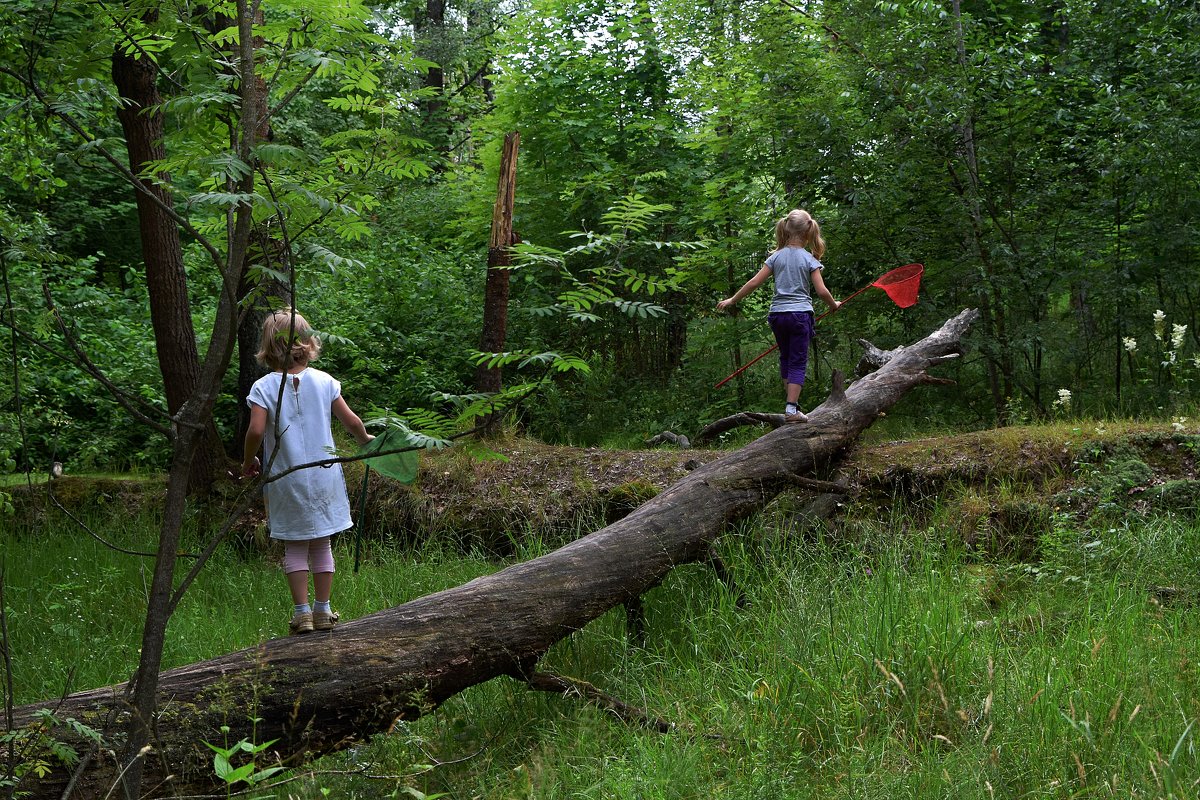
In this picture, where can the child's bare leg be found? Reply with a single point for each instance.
(793, 392)
(298, 583)
(320, 559)
(320, 556)
(295, 567)
(322, 586)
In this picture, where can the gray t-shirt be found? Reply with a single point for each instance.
(792, 267)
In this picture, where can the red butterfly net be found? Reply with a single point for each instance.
(902, 284)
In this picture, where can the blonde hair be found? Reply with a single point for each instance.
(799, 228)
(277, 350)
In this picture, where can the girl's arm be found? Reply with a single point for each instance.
(818, 284)
(758, 280)
(254, 436)
(349, 419)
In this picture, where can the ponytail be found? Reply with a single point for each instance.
(799, 228)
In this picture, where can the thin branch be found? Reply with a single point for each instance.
(209, 549)
(329, 462)
(283, 230)
(54, 500)
(833, 33)
(476, 75)
(283, 52)
(138, 183)
(16, 362)
(568, 687)
(80, 768)
(290, 96)
(68, 360)
(118, 394)
(141, 50)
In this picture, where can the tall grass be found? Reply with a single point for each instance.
(881, 662)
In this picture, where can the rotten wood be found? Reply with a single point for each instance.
(499, 261)
(873, 358)
(667, 437)
(319, 693)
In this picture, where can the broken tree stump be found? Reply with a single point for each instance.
(319, 693)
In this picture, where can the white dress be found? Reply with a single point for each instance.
(308, 503)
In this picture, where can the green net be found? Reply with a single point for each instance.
(397, 466)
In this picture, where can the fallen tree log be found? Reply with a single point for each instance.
(318, 693)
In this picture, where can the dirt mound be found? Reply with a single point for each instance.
(1000, 488)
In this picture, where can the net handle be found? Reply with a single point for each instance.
(918, 272)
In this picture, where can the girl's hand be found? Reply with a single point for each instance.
(250, 469)
(836, 305)
(724, 304)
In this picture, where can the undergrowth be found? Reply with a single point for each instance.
(885, 654)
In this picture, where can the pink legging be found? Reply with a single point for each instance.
(308, 555)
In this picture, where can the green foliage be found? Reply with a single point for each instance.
(1040, 161)
(611, 252)
(64, 416)
(34, 750)
(249, 772)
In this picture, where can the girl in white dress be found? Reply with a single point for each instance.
(291, 409)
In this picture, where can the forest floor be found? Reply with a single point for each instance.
(1002, 613)
(997, 483)
(997, 486)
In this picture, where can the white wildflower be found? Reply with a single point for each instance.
(1177, 332)
(1160, 325)
(1064, 399)
(1179, 424)
(1130, 344)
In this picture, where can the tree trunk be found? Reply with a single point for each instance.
(272, 294)
(435, 119)
(495, 295)
(321, 692)
(135, 728)
(135, 78)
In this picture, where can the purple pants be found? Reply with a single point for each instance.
(793, 332)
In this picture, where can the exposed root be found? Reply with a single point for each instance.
(574, 687)
(715, 429)
(824, 487)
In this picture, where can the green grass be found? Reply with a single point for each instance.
(885, 662)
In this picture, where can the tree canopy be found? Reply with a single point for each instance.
(1040, 162)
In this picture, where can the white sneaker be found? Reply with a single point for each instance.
(799, 416)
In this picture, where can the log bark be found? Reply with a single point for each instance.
(321, 692)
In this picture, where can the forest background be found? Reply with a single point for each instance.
(1039, 159)
(170, 172)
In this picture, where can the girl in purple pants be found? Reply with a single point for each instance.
(797, 272)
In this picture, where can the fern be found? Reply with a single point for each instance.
(639, 309)
(633, 213)
(225, 199)
(329, 259)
